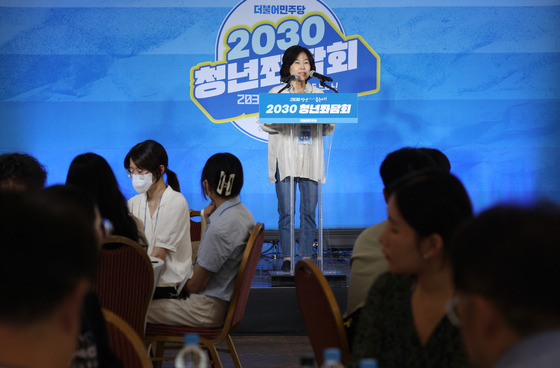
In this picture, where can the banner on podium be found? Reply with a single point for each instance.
(308, 108)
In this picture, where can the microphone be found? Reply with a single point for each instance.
(289, 78)
(321, 77)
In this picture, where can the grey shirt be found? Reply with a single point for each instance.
(222, 246)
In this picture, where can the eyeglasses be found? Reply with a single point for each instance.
(136, 171)
(451, 311)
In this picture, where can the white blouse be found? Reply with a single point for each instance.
(284, 141)
(168, 228)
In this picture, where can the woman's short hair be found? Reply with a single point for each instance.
(149, 155)
(433, 201)
(224, 174)
(290, 55)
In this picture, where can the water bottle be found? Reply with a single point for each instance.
(191, 356)
(331, 358)
(368, 363)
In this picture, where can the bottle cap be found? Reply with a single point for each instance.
(191, 339)
(332, 354)
(368, 363)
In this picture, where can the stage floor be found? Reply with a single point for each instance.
(336, 261)
(272, 307)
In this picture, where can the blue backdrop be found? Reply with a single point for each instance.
(479, 82)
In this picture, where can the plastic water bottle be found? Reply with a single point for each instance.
(331, 358)
(368, 363)
(191, 356)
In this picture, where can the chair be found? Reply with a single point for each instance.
(125, 280)
(125, 342)
(159, 335)
(320, 312)
(197, 229)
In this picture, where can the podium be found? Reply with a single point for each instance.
(296, 111)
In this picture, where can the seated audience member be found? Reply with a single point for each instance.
(505, 266)
(229, 225)
(367, 261)
(403, 322)
(92, 347)
(439, 158)
(163, 210)
(49, 253)
(21, 172)
(93, 173)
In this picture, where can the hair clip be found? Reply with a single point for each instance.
(220, 187)
(228, 185)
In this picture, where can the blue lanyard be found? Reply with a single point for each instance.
(157, 216)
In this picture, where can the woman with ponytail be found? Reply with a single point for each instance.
(203, 297)
(163, 211)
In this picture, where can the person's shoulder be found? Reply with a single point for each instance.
(275, 89)
(236, 212)
(136, 199)
(391, 282)
(373, 231)
(239, 206)
(368, 239)
(172, 193)
(174, 198)
(247, 216)
(233, 218)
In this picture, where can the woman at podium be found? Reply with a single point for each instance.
(296, 150)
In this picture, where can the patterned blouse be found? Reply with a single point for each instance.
(386, 331)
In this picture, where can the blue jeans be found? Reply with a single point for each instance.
(308, 204)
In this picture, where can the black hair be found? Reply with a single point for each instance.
(49, 246)
(290, 55)
(73, 196)
(509, 254)
(24, 168)
(223, 168)
(150, 155)
(439, 158)
(433, 201)
(94, 174)
(403, 162)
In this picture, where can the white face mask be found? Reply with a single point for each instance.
(142, 183)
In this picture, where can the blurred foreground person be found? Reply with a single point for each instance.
(92, 345)
(49, 253)
(505, 266)
(367, 262)
(21, 172)
(403, 322)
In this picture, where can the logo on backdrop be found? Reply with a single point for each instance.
(249, 49)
